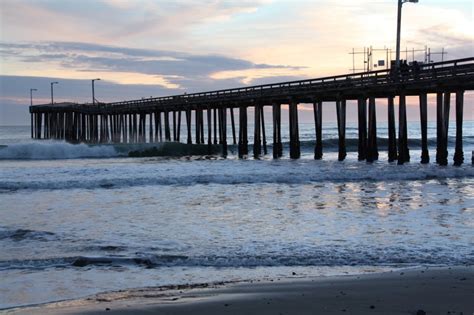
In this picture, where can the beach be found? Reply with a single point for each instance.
(413, 291)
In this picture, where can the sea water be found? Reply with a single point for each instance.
(80, 219)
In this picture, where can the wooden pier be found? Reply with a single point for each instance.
(126, 122)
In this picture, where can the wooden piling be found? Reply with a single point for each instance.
(372, 148)
(264, 137)
(295, 151)
(362, 128)
(160, 127)
(175, 129)
(179, 127)
(318, 128)
(201, 125)
(150, 127)
(341, 128)
(167, 126)
(197, 126)
(257, 144)
(155, 118)
(223, 130)
(243, 140)
(425, 157)
(215, 125)
(277, 145)
(458, 152)
(234, 138)
(188, 126)
(447, 106)
(209, 130)
(442, 126)
(392, 133)
(403, 151)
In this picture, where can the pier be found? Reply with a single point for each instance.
(126, 122)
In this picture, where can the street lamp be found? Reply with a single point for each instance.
(31, 96)
(399, 27)
(93, 93)
(52, 98)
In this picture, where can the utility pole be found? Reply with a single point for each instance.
(399, 28)
(31, 96)
(52, 94)
(93, 92)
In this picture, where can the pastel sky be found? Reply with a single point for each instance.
(143, 48)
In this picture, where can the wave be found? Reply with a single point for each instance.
(50, 150)
(19, 235)
(331, 256)
(55, 150)
(314, 173)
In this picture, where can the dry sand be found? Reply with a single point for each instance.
(417, 291)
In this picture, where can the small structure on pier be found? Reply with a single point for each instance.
(126, 122)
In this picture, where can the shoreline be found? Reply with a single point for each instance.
(433, 290)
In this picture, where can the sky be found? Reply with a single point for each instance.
(143, 48)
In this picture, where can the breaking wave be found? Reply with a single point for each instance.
(55, 150)
(330, 256)
(314, 173)
(51, 150)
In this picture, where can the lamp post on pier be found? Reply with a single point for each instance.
(399, 28)
(52, 98)
(31, 96)
(93, 92)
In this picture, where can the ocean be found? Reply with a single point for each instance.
(78, 219)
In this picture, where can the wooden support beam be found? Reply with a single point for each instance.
(243, 140)
(160, 127)
(197, 126)
(223, 130)
(264, 137)
(167, 126)
(257, 142)
(179, 126)
(201, 125)
(150, 128)
(209, 130)
(277, 145)
(362, 128)
(458, 152)
(425, 156)
(318, 122)
(135, 128)
(31, 125)
(124, 128)
(341, 128)
(233, 125)
(188, 126)
(372, 148)
(295, 152)
(215, 125)
(175, 129)
(403, 151)
(392, 133)
(442, 126)
(155, 119)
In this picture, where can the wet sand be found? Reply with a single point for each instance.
(416, 291)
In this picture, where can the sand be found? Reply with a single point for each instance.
(414, 291)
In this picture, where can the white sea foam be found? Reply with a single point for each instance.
(54, 150)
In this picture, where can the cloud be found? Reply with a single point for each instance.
(112, 21)
(155, 66)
